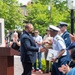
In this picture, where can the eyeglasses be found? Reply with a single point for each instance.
(35, 32)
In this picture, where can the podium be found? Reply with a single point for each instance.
(7, 60)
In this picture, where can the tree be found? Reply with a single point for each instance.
(9, 10)
(58, 12)
(38, 16)
(45, 2)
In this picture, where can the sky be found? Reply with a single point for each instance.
(24, 2)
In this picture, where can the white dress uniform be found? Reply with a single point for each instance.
(59, 45)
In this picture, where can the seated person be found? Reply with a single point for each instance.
(71, 63)
(15, 42)
(70, 68)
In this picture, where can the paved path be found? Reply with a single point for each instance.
(18, 67)
(37, 73)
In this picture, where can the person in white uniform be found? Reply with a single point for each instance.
(58, 45)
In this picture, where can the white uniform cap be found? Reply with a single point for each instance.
(61, 24)
(54, 28)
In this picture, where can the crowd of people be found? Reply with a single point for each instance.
(56, 38)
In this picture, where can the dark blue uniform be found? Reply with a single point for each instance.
(66, 38)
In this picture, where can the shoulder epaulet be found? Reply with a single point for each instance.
(57, 38)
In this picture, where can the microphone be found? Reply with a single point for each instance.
(9, 34)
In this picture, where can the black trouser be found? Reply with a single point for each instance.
(27, 67)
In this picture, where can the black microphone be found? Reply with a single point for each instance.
(9, 34)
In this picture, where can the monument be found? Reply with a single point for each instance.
(2, 35)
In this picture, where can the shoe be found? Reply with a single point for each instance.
(33, 70)
(40, 71)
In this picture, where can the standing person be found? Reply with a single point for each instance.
(28, 50)
(15, 42)
(38, 40)
(58, 45)
(46, 42)
(65, 34)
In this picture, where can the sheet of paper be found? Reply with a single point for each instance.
(52, 54)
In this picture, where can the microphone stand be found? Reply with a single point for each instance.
(8, 39)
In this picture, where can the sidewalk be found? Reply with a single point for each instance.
(37, 73)
(18, 67)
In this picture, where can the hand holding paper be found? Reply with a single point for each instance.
(52, 55)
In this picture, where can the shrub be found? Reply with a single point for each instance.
(43, 65)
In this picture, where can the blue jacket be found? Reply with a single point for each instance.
(28, 48)
(71, 72)
(66, 38)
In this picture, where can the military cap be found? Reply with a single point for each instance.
(54, 28)
(61, 24)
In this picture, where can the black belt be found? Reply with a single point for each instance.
(62, 57)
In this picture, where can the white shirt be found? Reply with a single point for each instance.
(38, 39)
(59, 44)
